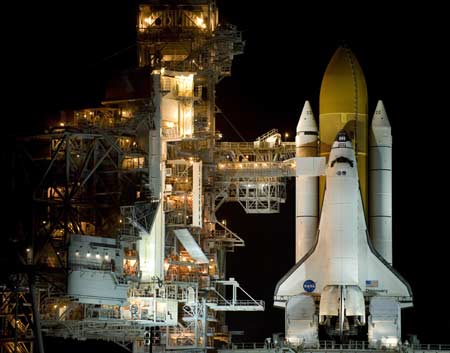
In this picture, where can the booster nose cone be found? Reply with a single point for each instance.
(307, 122)
(380, 118)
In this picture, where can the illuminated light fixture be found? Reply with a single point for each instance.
(97, 255)
(61, 124)
(200, 22)
(88, 254)
(55, 306)
(286, 134)
(149, 20)
(28, 249)
(77, 253)
(106, 257)
(170, 124)
(189, 268)
(210, 266)
(120, 221)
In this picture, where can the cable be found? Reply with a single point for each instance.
(229, 122)
(112, 55)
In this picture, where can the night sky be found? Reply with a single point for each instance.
(65, 54)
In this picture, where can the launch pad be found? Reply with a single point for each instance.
(124, 244)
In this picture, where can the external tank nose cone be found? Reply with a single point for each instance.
(343, 105)
(343, 85)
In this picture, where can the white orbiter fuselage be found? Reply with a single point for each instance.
(342, 271)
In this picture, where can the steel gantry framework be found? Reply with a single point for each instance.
(124, 233)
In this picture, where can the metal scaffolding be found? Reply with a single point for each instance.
(124, 230)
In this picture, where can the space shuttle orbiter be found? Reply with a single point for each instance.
(343, 280)
(342, 270)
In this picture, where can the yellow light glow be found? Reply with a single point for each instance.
(200, 22)
(149, 20)
(61, 124)
(170, 124)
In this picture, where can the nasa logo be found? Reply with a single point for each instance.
(309, 286)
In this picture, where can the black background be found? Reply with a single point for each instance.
(60, 56)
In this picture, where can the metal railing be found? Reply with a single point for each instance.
(220, 302)
(352, 346)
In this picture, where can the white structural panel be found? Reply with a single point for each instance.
(151, 248)
(301, 323)
(197, 194)
(384, 322)
(95, 265)
(96, 287)
(189, 243)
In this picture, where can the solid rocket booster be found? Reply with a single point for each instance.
(306, 187)
(380, 171)
(343, 105)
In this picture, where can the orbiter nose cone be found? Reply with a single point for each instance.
(380, 118)
(343, 87)
(307, 121)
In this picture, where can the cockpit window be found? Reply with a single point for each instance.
(342, 160)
